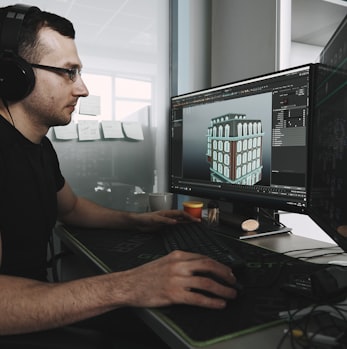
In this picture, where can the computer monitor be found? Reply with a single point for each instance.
(245, 141)
(327, 204)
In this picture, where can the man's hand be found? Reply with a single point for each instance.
(151, 221)
(171, 279)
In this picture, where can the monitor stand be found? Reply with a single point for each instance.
(264, 230)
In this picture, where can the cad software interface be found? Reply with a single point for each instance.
(246, 140)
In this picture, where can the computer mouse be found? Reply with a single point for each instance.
(237, 285)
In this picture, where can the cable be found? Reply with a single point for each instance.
(312, 249)
(270, 217)
(8, 110)
(319, 328)
(322, 255)
(316, 249)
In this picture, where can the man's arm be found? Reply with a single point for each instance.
(79, 211)
(28, 305)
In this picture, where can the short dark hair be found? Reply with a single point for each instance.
(29, 46)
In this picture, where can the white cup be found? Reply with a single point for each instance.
(160, 201)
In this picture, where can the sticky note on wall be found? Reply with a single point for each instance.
(112, 129)
(88, 130)
(133, 130)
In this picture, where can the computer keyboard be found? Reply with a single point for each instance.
(198, 238)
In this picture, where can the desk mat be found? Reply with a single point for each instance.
(257, 307)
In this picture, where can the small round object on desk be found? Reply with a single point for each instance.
(250, 225)
(194, 208)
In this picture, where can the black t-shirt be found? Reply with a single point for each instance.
(30, 178)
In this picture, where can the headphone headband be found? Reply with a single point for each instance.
(17, 78)
(12, 25)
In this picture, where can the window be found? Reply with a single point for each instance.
(119, 96)
(131, 95)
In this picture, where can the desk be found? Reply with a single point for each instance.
(270, 336)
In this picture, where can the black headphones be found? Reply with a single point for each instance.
(17, 78)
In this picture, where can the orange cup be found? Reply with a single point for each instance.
(194, 208)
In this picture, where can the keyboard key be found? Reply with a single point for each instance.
(197, 238)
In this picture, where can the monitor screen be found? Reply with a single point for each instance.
(245, 141)
(328, 160)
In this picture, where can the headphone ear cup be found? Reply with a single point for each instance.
(17, 78)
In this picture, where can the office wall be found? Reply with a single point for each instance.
(302, 53)
(115, 172)
(190, 49)
(214, 42)
(244, 39)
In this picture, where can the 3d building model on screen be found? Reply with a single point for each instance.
(234, 149)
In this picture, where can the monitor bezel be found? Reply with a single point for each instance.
(323, 63)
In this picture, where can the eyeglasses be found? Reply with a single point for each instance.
(72, 72)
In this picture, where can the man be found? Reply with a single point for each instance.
(34, 194)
